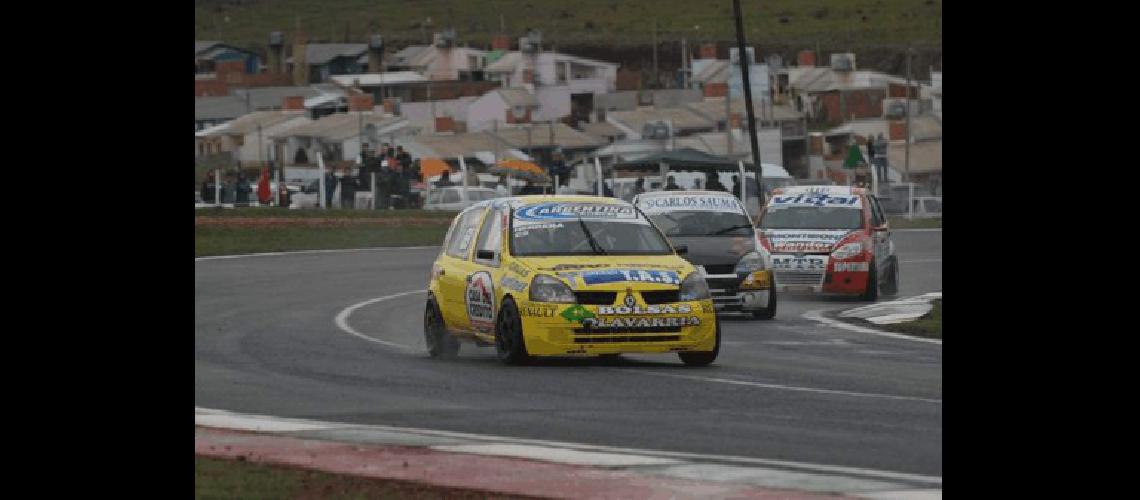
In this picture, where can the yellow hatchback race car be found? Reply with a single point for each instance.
(566, 276)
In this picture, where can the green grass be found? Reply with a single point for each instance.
(226, 479)
(215, 240)
(930, 325)
(900, 222)
(834, 24)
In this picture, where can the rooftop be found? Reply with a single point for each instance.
(379, 79)
(682, 118)
(248, 123)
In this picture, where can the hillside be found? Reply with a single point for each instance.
(883, 26)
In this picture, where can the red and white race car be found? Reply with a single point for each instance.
(829, 240)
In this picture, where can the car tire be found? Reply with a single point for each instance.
(770, 311)
(872, 292)
(510, 344)
(698, 358)
(440, 344)
(891, 287)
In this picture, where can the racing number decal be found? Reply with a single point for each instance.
(479, 298)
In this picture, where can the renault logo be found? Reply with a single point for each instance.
(629, 300)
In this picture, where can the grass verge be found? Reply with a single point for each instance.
(332, 213)
(221, 240)
(225, 479)
(900, 222)
(929, 326)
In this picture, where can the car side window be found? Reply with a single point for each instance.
(434, 197)
(451, 196)
(491, 238)
(464, 233)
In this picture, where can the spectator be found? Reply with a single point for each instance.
(330, 188)
(208, 187)
(871, 149)
(404, 159)
(347, 189)
(243, 188)
(444, 179)
(639, 186)
(713, 182)
(671, 184)
(384, 185)
(735, 187)
(502, 190)
(263, 193)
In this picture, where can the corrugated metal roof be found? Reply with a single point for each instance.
(453, 145)
(202, 46)
(714, 72)
(387, 78)
(219, 107)
(713, 108)
(510, 61)
(564, 136)
(683, 118)
(826, 79)
(339, 125)
(602, 130)
(273, 97)
(518, 97)
(248, 123)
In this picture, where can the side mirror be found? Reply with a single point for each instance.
(681, 249)
(485, 254)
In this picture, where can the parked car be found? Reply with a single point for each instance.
(457, 197)
(556, 275)
(830, 240)
(716, 229)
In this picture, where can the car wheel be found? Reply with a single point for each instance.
(440, 344)
(702, 358)
(872, 292)
(509, 343)
(770, 311)
(891, 287)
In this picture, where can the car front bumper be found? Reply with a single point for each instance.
(732, 292)
(549, 330)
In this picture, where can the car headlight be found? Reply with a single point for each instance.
(545, 288)
(694, 288)
(752, 261)
(847, 251)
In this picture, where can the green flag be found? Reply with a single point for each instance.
(854, 157)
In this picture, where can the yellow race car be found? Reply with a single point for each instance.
(566, 276)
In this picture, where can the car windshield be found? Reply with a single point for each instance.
(584, 228)
(812, 218)
(702, 223)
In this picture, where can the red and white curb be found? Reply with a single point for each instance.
(535, 467)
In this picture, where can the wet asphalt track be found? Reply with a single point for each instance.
(791, 388)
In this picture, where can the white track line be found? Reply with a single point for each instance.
(302, 252)
(781, 387)
(342, 318)
(817, 315)
(244, 420)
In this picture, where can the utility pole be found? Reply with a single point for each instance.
(906, 161)
(684, 65)
(656, 79)
(743, 53)
(728, 122)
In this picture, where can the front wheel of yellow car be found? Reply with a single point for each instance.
(440, 344)
(702, 358)
(509, 343)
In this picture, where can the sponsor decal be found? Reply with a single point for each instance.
(635, 275)
(518, 269)
(565, 267)
(466, 241)
(479, 298)
(841, 267)
(629, 300)
(580, 350)
(646, 310)
(576, 313)
(513, 284)
(817, 200)
(538, 311)
(640, 322)
(708, 307)
(799, 262)
(571, 211)
(703, 203)
(522, 230)
(804, 241)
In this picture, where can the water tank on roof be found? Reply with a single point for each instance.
(843, 62)
(445, 38)
(276, 39)
(655, 130)
(896, 109)
(375, 42)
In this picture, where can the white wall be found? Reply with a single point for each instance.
(483, 111)
(554, 103)
(249, 148)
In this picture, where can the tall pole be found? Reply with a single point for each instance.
(655, 75)
(748, 98)
(684, 67)
(728, 122)
(906, 160)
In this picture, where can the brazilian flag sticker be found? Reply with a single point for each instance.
(576, 313)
